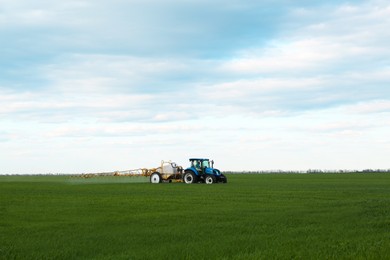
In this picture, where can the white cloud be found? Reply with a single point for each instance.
(370, 107)
(97, 73)
(302, 55)
(57, 106)
(333, 46)
(41, 13)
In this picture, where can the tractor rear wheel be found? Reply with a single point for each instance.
(155, 178)
(209, 179)
(190, 177)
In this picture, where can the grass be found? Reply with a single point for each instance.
(277, 216)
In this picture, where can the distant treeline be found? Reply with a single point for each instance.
(310, 171)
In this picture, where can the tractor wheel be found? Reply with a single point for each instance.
(209, 179)
(155, 178)
(190, 177)
(223, 178)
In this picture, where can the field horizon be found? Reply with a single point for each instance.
(269, 171)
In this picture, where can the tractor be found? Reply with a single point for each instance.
(201, 171)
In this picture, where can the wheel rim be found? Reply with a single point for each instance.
(209, 180)
(188, 178)
(155, 178)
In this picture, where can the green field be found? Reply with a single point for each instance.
(264, 216)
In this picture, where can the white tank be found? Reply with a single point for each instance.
(169, 168)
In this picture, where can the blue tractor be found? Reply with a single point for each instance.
(201, 171)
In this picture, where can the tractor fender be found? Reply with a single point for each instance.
(192, 169)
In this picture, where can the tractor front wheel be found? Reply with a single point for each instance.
(189, 177)
(155, 178)
(209, 179)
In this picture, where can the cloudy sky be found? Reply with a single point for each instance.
(100, 85)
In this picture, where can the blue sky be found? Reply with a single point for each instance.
(89, 86)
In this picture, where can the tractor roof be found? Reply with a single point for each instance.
(195, 159)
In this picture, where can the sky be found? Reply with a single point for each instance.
(93, 86)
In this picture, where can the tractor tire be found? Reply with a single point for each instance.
(209, 179)
(155, 178)
(190, 177)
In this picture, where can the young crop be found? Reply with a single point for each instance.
(254, 216)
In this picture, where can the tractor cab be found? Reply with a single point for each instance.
(202, 165)
(202, 170)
